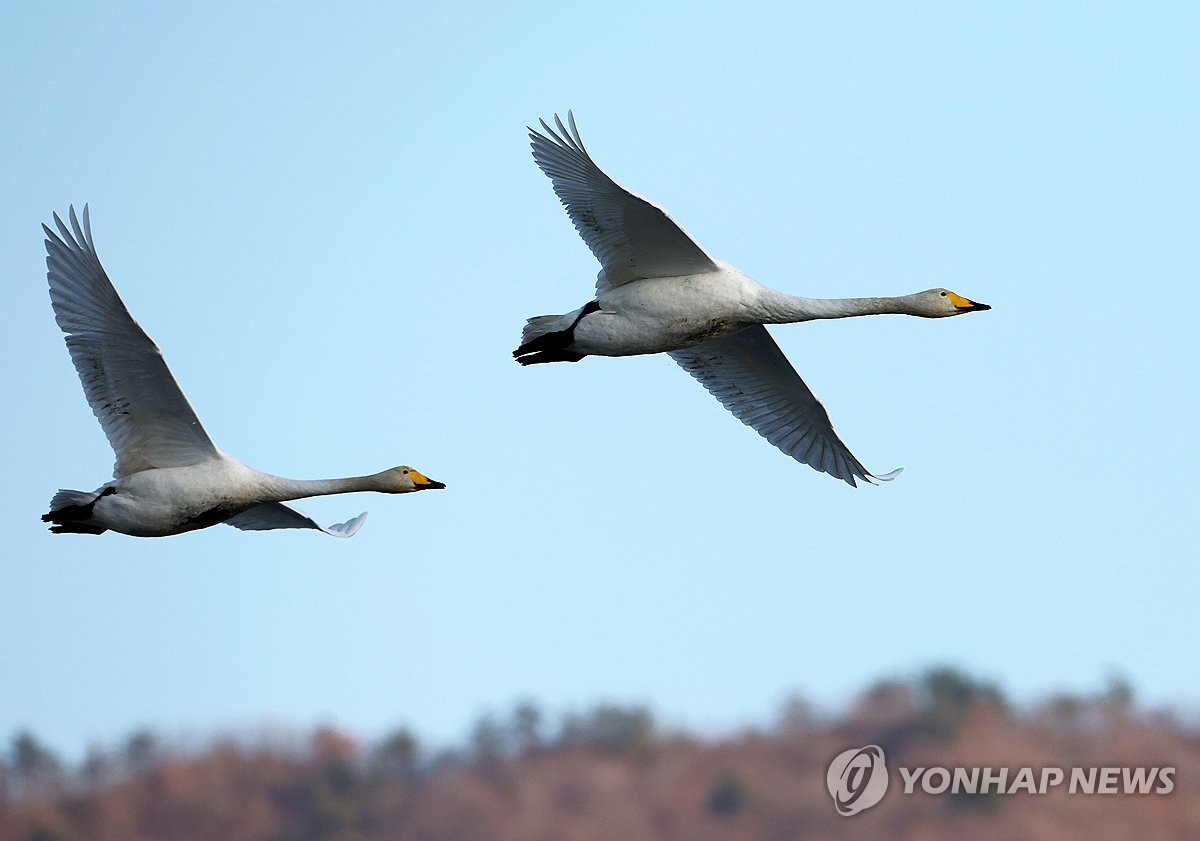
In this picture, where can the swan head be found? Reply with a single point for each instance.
(940, 303)
(405, 479)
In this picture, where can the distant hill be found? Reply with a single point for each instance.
(611, 774)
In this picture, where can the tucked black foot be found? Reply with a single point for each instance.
(69, 513)
(550, 356)
(76, 528)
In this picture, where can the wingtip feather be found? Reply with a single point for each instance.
(348, 528)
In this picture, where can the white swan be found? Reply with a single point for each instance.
(658, 291)
(169, 477)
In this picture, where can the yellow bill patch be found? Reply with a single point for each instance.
(959, 300)
(418, 477)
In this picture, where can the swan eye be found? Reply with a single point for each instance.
(406, 472)
(943, 294)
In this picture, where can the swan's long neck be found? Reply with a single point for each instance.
(781, 308)
(279, 489)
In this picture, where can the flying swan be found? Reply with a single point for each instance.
(660, 292)
(169, 477)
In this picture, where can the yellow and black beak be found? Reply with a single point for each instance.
(423, 482)
(965, 304)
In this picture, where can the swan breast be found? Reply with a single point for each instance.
(668, 313)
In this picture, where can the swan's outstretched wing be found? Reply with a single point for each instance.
(144, 414)
(276, 515)
(752, 378)
(631, 237)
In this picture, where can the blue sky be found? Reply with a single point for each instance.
(329, 220)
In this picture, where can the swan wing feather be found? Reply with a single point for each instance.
(631, 237)
(276, 515)
(144, 414)
(752, 378)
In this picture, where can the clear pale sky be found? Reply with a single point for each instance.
(329, 220)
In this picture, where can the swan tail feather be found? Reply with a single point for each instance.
(539, 326)
(66, 499)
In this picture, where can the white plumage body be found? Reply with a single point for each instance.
(661, 314)
(171, 500)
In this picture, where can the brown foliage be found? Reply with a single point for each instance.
(611, 776)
